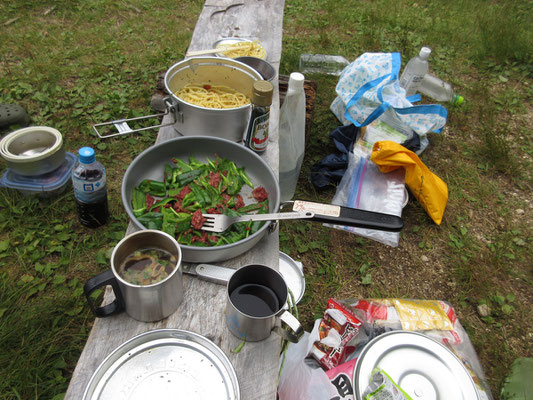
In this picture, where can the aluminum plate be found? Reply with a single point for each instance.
(422, 367)
(292, 272)
(165, 364)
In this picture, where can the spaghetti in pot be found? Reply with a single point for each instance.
(212, 96)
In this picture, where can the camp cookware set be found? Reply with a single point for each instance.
(206, 133)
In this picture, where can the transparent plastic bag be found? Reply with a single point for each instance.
(364, 187)
(302, 377)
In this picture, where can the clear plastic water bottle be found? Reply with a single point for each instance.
(414, 72)
(291, 136)
(90, 189)
(322, 63)
(439, 90)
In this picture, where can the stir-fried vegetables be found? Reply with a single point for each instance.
(188, 190)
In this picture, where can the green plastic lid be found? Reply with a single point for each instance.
(458, 100)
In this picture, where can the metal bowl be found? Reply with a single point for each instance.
(32, 151)
(150, 164)
(230, 41)
(267, 71)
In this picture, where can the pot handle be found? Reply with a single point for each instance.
(103, 279)
(295, 332)
(339, 215)
(122, 124)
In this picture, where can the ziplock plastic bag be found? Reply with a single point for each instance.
(430, 191)
(364, 187)
(369, 87)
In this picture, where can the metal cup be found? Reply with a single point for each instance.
(142, 302)
(253, 328)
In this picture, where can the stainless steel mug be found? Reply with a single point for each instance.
(142, 302)
(256, 296)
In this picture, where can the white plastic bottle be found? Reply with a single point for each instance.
(414, 72)
(291, 136)
(439, 90)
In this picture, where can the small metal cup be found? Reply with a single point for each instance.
(253, 328)
(144, 303)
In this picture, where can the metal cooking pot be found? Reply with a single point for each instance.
(150, 164)
(192, 120)
(32, 151)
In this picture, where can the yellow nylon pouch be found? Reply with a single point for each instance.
(430, 191)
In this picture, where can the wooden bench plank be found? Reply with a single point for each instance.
(202, 310)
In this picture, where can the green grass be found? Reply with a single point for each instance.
(77, 63)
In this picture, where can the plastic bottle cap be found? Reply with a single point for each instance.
(459, 100)
(425, 52)
(86, 155)
(262, 93)
(296, 80)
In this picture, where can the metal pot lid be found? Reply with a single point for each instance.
(292, 272)
(165, 364)
(422, 367)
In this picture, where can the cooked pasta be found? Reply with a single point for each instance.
(241, 49)
(212, 96)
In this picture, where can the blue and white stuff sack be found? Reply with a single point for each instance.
(369, 86)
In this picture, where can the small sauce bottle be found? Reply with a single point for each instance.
(256, 137)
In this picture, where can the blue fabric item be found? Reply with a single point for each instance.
(370, 86)
(329, 171)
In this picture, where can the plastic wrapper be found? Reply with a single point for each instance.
(336, 330)
(382, 387)
(364, 187)
(434, 318)
(302, 377)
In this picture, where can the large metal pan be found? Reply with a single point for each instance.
(150, 164)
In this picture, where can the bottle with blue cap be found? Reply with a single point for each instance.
(90, 189)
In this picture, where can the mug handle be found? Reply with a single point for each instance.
(296, 329)
(104, 279)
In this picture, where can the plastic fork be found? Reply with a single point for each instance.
(221, 222)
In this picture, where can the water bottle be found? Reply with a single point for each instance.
(90, 190)
(439, 90)
(291, 136)
(414, 72)
(323, 63)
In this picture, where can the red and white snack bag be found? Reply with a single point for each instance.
(341, 379)
(337, 328)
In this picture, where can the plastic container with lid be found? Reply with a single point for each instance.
(46, 185)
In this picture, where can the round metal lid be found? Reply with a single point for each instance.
(292, 272)
(422, 367)
(165, 364)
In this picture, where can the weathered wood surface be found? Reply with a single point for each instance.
(202, 310)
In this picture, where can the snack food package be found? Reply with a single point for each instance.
(341, 380)
(335, 332)
(434, 318)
